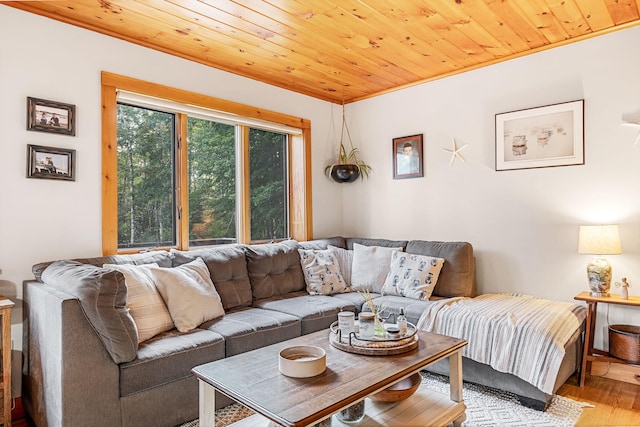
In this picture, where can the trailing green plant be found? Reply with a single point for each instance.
(348, 157)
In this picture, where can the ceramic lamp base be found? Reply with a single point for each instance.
(599, 274)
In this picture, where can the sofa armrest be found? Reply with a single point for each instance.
(64, 353)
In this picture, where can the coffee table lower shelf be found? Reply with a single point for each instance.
(425, 407)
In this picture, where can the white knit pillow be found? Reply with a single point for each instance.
(370, 267)
(189, 293)
(345, 261)
(145, 304)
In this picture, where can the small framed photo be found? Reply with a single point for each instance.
(51, 163)
(51, 116)
(541, 137)
(407, 157)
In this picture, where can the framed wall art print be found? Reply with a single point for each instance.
(541, 137)
(51, 163)
(407, 157)
(51, 116)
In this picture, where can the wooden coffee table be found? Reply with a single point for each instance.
(254, 380)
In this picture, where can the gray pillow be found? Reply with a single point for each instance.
(228, 270)
(103, 296)
(274, 269)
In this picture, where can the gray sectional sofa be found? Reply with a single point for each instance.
(84, 366)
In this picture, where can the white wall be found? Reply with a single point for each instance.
(523, 224)
(43, 220)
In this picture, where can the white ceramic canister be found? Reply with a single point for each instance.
(346, 324)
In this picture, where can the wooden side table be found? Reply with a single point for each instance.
(5, 361)
(589, 353)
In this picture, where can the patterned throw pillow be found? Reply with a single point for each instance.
(322, 272)
(412, 276)
(146, 306)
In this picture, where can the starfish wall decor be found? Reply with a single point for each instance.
(455, 152)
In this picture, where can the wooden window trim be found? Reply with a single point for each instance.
(300, 217)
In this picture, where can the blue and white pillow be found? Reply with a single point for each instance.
(412, 276)
(322, 272)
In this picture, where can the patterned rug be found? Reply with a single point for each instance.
(486, 407)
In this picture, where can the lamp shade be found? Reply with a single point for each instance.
(599, 240)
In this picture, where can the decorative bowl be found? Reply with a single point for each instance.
(400, 390)
(302, 361)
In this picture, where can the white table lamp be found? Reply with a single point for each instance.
(599, 240)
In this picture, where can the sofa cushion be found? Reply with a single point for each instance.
(228, 269)
(356, 299)
(458, 275)
(169, 357)
(370, 266)
(274, 269)
(412, 276)
(248, 328)
(144, 301)
(103, 297)
(189, 294)
(321, 272)
(345, 261)
(162, 258)
(315, 312)
(392, 304)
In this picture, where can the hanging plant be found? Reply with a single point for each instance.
(347, 168)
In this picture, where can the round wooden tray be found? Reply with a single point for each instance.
(374, 348)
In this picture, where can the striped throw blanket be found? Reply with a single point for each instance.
(518, 334)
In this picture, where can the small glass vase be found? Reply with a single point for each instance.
(352, 414)
(378, 327)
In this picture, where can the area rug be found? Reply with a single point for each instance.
(486, 407)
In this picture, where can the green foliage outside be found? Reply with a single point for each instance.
(212, 182)
(145, 178)
(146, 195)
(268, 171)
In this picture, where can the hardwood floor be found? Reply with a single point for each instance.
(617, 403)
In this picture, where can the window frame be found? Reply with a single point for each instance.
(300, 210)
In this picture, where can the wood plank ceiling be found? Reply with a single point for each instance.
(344, 50)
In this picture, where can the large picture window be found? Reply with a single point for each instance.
(198, 173)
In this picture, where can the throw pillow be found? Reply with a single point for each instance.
(345, 261)
(189, 294)
(370, 267)
(143, 300)
(321, 272)
(412, 276)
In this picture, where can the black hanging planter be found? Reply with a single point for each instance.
(345, 173)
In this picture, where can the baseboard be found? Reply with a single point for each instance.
(616, 371)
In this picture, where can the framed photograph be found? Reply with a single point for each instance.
(407, 157)
(541, 137)
(51, 163)
(51, 116)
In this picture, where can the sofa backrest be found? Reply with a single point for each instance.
(385, 243)
(274, 269)
(162, 258)
(228, 270)
(458, 275)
